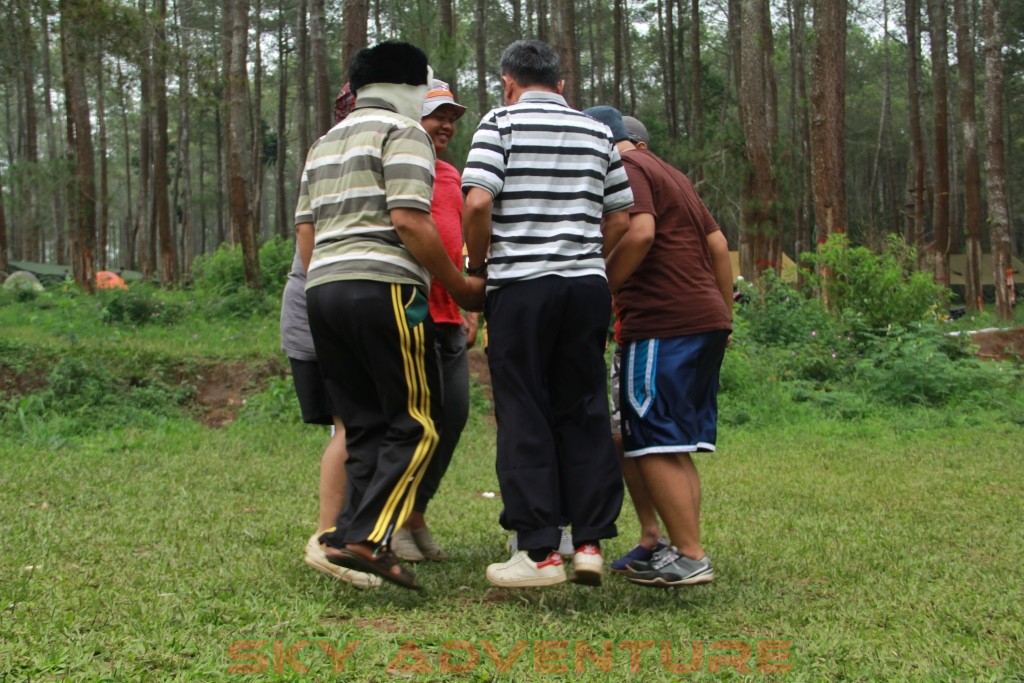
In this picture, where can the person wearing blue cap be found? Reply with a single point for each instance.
(673, 293)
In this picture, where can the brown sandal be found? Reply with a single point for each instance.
(381, 565)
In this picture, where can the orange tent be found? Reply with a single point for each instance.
(108, 280)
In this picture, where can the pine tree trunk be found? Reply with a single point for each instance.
(83, 232)
(801, 135)
(357, 14)
(168, 274)
(481, 57)
(760, 200)
(972, 167)
(995, 160)
(239, 139)
(128, 253)
(940, 78)
(302, 80)
(284, 224)
(827, 115)
(565, 44)
(323, 103)
(30, 216)
(104, 199)
(917, 190)
(3, 229)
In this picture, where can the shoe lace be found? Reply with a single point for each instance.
(664, 557)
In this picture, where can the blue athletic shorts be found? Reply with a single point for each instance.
(669, 393)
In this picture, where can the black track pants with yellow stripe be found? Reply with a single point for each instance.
(374, 342)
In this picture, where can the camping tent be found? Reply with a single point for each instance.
(958, 270)
(788, 273)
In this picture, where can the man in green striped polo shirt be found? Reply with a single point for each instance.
(365, 234)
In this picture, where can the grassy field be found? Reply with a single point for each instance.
(883, 549)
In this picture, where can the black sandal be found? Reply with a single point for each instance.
(380, 566)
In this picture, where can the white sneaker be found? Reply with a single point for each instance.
(587, 566)
(316, 559)
(522, 572)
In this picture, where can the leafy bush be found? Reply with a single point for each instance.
(869, 291)
(777, 314)
(276, 257)
(138, 306)
(223, 272)
(920, 364)
(221, 277)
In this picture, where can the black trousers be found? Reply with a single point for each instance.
(556, 459)
(450, 345)
(374, 341)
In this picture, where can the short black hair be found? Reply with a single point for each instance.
(388, 62)
(532, 62)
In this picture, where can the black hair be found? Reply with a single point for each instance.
(388, 62)
(531, 62)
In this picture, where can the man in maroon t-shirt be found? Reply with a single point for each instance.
(672, 281)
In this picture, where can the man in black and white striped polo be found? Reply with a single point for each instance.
(546, 202)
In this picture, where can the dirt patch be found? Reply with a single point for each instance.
(14, 383)
(221, 389)
(999, 344)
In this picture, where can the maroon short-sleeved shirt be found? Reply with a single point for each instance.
(673, 292)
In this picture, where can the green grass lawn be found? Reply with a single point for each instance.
(888, 547)
(885, 550)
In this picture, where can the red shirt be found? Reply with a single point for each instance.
(446, 209)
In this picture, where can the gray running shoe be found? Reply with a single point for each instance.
(660, 556)
(672, 569)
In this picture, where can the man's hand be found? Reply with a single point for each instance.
(471, 293)
(471, 325)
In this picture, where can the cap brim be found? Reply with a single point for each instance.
(430, 107)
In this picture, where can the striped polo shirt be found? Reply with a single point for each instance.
(554, 173)
(373, 161)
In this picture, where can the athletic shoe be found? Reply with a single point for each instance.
(428, 546)
(403, 545)
(316, 559)
(661, 555)
(587, 565)
(637, 554)
(522, 572)
(674, 569)
(565, 547)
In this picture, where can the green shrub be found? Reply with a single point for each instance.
(276, 257)
(223, 272)
(138, 306)
(921, 364)
(869, 291)
(776, 314)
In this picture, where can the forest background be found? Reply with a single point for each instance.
(137, 136)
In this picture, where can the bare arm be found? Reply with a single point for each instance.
(613, 226)
(718, 245)
(305, 235)
(419, 234)
(631, 250)
(476, 225)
